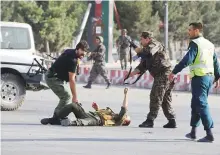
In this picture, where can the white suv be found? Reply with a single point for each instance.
(21, 69)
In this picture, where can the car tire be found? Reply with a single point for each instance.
(12, 92)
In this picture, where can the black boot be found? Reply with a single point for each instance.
(89, 85)
(171, 124)
(208, 138)
(45, 121)
(147, 124)
(52, 121)
(192, 134)
(108, 85)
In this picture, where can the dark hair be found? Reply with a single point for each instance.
(197, 25)
(82, 45)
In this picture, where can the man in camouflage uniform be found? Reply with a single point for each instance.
(62, 72)
(100, 117)
(98, 68)
(123, 48)
(155, 59)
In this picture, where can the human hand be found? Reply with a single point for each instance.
(171, 77)
(75, 100)
(216, 83)
(125, 91)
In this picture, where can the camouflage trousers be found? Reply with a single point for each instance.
(82, 118)
(60, 88)
(123, 61)
(98, 69)
(161, 95)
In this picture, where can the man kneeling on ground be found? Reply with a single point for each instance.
(100, 117)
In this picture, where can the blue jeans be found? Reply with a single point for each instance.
(199, 104)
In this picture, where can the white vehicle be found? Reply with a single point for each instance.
(21, 69)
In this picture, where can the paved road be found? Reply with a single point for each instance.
(22, 133)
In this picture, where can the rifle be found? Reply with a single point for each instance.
(132, 44)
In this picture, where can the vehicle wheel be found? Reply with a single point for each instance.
(12, 92)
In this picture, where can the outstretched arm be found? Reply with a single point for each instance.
(125, 101)
(123, 111)
(124, 106)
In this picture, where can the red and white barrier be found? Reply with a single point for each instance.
(146, 81)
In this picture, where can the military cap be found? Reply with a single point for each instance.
(100, 38)
(147, 34)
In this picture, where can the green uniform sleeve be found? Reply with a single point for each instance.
(120, 116)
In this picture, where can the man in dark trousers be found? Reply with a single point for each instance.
(204, 67)
(62, 72)
(98, 68)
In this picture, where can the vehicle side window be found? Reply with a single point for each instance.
(15, 38)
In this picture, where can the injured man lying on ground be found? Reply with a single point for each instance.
(100, 117)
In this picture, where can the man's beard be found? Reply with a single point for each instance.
(80, 56)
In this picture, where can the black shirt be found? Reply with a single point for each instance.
(65, 63)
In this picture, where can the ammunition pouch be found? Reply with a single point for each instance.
(106, 116)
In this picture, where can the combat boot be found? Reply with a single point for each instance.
(88, 86)
(68, 122)
(52, 121)
(208, 138)
(171, 124)
(192, 134)
(108, 85)
(147, 124)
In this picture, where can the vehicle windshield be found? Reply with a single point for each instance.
(15, 38)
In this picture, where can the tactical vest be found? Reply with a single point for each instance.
(203, 63)
(108, 117)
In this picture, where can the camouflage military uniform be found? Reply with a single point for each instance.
(156, 61)
(98, 68)
(123, 50)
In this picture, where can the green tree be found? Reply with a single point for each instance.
(137, 17)
(53, 22)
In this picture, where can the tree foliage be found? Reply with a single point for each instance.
(52, 21)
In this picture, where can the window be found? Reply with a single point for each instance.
(15, 38)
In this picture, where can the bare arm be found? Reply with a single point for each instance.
(73, 86)
(124, 107)
(125, 101)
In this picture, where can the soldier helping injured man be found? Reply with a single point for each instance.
(100, 117)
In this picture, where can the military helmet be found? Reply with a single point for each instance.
(147, 34)
(100, 38)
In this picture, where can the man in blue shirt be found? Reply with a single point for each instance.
(203, 64)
